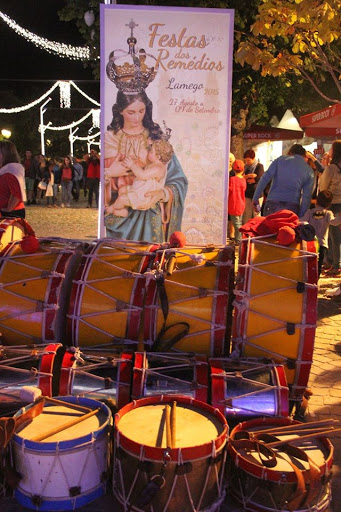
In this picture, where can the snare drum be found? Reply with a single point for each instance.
(296, 480)
(199, 294)
(164, 374)
(97, 374)
(68, 469)
(249, 388)
(11, 229)
(187, 476)
(27, 366)
(34, 291)
(276, 306)
(107, 294)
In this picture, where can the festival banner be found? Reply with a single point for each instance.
(166, 77)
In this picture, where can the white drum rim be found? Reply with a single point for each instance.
(70, 443)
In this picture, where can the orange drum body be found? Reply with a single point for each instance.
(181, 374)
(34, 291)
(185, 477)
(199, 294)
(116, 296)
(249, 388)
(293, 477)
(276, 306)
(107, 294)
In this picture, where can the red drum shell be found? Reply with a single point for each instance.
(97, 374)
(193, 476)
(27, 366)
(248, 388)
(252, 484)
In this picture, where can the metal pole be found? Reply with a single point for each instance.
(72, 138)
(42, 129)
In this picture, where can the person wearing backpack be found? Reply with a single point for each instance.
(67, 181)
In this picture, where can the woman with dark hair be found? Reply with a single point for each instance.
(67, 178)
(12, 181)
(128, 136)
(331, 180)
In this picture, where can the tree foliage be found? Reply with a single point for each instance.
(297, 37)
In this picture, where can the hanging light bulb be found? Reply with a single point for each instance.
(89, 18)
(65, 94)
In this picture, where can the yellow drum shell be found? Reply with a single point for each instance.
(276, 305)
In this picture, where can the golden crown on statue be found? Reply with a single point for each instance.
(131, 72)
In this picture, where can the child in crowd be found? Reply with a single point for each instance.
(321, 218)
(236, 202)
(148, 179)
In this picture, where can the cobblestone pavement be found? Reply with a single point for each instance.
(325, 377)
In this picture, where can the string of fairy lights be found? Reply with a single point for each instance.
(65, 51)
(60, 49)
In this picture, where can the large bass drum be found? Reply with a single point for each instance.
(195, 290)
(35, 290)
(276, 306)
(108, 293)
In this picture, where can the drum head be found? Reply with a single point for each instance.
(146, 425)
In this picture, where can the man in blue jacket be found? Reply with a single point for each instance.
(292, 182)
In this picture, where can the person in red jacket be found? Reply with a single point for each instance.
(12, 181)
(93, 177)
(236, 202)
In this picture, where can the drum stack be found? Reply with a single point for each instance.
(144, 331)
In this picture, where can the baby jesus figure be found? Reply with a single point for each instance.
(148, 179)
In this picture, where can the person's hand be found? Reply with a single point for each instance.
(116, 167)
(129, 161)
(155, 195)
(256, 206)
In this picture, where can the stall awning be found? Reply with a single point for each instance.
(264, 133)
(323, 133)
(329, 117)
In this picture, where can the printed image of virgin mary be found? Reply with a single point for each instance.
(146, 205)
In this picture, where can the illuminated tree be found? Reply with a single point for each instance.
(299, 38)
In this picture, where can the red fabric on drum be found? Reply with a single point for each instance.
(260, 226)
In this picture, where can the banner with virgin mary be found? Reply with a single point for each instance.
(166, 76)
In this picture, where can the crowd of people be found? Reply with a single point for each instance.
(57, 182)
(297, 182)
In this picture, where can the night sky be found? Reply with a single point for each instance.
(21, 59)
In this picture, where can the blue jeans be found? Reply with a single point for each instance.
(334, 239)
(275, 206)
(66, 191)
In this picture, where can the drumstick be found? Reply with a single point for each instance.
(300, 431)
(168, 427)
(173, 423)
(310, 424)
(302, 438)
(70, 424)
(67, 404)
